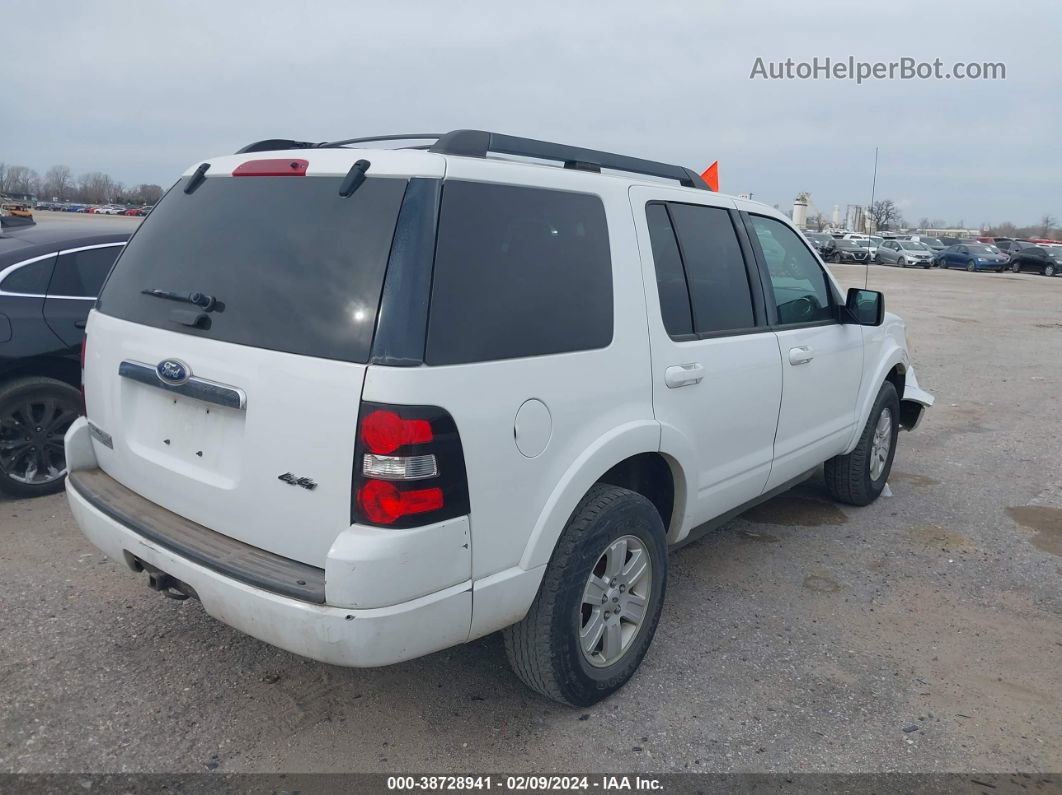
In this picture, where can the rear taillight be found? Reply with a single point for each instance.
(84, 345)
(409, 468)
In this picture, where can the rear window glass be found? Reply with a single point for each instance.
(30, 279)
(80, 274)
(518, 272)
(293, 266)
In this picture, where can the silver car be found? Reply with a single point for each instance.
(904, 253)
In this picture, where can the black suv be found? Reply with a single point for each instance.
(49, 277)
(1041, 259)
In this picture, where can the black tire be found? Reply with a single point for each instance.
(848, 477)
(544, 648)
(901, 262)
(928, 265)
(36, 395)
(971, 266)
(1049, 269)
(1015, 267)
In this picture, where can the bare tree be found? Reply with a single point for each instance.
(885, 214)
(19, 180)
(820, 221)
(58, 183)
(95, 187)
(924, 223)
(1047, 223)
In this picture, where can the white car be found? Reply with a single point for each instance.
(453, 394)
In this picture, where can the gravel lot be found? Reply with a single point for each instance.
(802, 636)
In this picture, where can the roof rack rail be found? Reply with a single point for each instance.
(275, 144)
(478, 143)
(371, 138)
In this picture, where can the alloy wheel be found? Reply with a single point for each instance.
(879, 450)
(31, 440)
(615, 601)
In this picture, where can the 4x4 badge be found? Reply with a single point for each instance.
(295, 480)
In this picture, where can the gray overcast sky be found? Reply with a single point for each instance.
(142, 89)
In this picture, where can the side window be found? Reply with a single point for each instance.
(715, 269)
(801, 290)
(30, 279)
(518, 272)
(670, 276)
(80, 274)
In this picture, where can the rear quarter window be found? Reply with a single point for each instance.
(518, 272)
(31, 279)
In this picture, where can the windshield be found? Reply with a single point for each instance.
(289, 263)
(976, 249)
(846, 244)
(866, 243)
(913, 245)
(932, 241)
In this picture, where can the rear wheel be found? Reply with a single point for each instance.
(859, 477)
(1049, 269)
(599, 602)
(35, 414)
(1015, 267)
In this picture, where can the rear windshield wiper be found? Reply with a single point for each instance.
(202, 300)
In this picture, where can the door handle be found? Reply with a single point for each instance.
(683, 375)
(801, 355)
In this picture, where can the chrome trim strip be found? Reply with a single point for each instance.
(12, 268)
(195, 387)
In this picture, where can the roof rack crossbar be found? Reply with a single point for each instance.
(478, 143)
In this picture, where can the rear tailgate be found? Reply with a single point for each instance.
(220, 466)
(239, 412)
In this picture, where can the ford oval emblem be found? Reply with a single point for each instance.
(172, 371)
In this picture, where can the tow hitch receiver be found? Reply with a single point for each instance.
(160, 581)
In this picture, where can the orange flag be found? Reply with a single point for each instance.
(711, 176)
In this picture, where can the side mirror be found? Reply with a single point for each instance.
(865, 307)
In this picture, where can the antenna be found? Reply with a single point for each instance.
(870, 209)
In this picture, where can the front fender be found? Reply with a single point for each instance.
(880, 357)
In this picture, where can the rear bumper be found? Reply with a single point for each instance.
(337, 635)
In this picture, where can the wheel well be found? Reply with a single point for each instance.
(650, 475)
(898, 377)
(65, 370)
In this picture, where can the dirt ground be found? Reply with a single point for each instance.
(922, 633)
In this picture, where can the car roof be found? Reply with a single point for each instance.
(418, 162)
(27, 242)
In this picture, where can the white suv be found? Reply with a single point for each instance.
(366, 404)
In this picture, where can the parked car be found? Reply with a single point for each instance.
(1011, 247)
(932, 243)
(870, 246)
(845, 250)
(1039, 259)
(819, 240)
(972, 257)
(904, 253)
(367, 433)
(49, 277)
